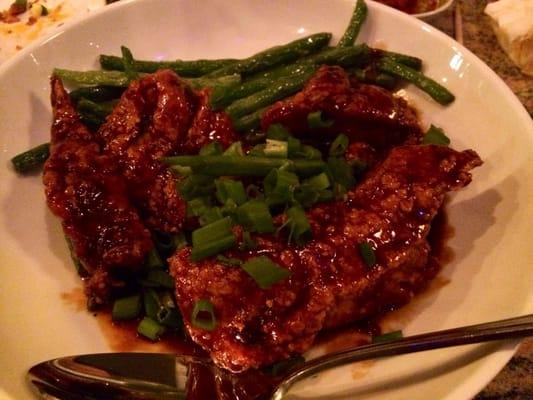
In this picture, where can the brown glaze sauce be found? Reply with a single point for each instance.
(209, 382)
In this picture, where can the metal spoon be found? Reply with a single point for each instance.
(168, 376)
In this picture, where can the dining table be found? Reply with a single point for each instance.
(466, 21)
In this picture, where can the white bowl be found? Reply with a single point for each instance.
(443, 6)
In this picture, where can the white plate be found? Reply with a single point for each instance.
(490, 276)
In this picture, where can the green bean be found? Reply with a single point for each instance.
(438, 92)
(354, 26)
(127, 61)
(96, 93)
(225, 95)
(187, 69)
(120, 79)
(405, 59)
(243, 165)
(88, 78)
(374, 77)
(31, 159)
(275, 56)
(250, 121)
(280, 89)
(101, 110)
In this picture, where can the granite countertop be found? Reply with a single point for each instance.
(515, 381)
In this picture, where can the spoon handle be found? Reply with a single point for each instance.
(504, 329)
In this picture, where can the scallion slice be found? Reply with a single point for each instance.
(436, 135)
(298, 224)
(203, 315)
(367, 253)
(341, 172)
(196, 186)
(279, 185)
(211, 248)
(315, 120)
(158, 278)
(235, 149)
(318, 182)
(294, 146)
(212, 239)
(198, 206)
(276, 148)
(339, 146)
(277, 132)
(212, 149)
(255, 216)
(229, 189)
(150, 329)
(211, 215)
(126, 308)
(264, 271)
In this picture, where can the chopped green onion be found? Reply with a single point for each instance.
(212, 239)
(150, 329)
(308, 152)
(318, 182)
(254, 216)
(196, 186)
(387, 337)
(158, 278)
(203, 315)
(230, 189)
(181, 170)
(436, 135)
(198, 206)
(367, 253)
(339, 146)
(316, 121)
(235, 149)
(154, 259)
(279, 186)
(299, 226)
(294, 146)
(179, 241)
(212, 149)
(264, 271)
(169, 317)
(229, 261)
(341, 172)
(211, 215)
(213, 231)
(277, 132)
(126, 308)
(258, 150)
(306, 195)
(276, 148)
(152, 303)
(211, 248)
(247, 242)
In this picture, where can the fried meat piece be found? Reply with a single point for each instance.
(84, 188)
(150, 121)
(330, 285)
(364, 112)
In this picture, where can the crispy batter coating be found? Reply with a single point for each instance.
(330, 284)
(365, 113)
(85, 189)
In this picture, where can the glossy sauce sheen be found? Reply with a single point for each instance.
(210, 382)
